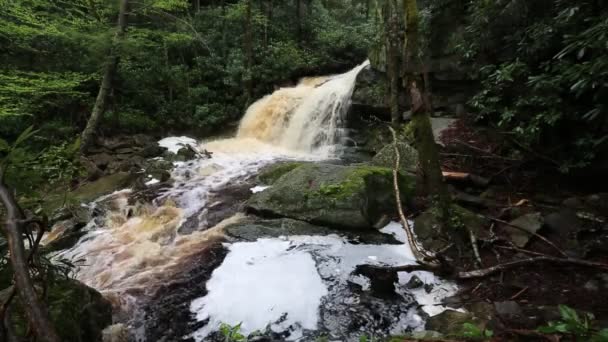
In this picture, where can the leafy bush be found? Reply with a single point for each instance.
(575, 326)
(544, 74)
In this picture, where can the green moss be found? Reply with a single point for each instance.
(353, 183)
(271, 173)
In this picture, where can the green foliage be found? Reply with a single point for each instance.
(471, 331)
(572, 324)
(232, 333)
(179, 69)
(543, 72)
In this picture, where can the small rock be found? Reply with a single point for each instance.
(115, 333)
(414, 282)
(187, 153)
(152, 150)
(592, 285)
(508, 309)
(572, 202)
(101, 160)
(530, 223)
(563, 222)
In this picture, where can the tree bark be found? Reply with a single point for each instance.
(35, 310)
(99, 108)
(248, 49)
(428, 154)
(393, 38)
(299, 21)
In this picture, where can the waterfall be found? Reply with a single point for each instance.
(305, 118)
(131, 251)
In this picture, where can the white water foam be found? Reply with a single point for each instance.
(249, 288)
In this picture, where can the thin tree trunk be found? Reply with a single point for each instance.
(392, 58)
(299, 21)
(99, 108)
(428, 154)
(35, 310)
(248, 47)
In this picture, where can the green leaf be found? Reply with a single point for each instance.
(568, 314)
(24, 136)
(601, 336)
(488, 333)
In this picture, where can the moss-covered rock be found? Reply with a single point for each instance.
(78, 312)
(269, 174)
(427, 229)
(408, 157)
(356, 197)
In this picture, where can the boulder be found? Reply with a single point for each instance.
(78, 312)
(352, 197)
(100, 187)
(252, 228)
(426, 227)
(270, 173)
(529, 224)
(408, 157)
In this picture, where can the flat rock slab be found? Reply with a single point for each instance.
(439, 125)
(529, 224)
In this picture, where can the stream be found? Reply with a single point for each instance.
(172, 274)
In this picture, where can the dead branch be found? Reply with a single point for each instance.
(36, 312)
(420, 255)
(480, 273)
(465, 177)
(526, 231)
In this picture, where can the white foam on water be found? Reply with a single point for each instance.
(259, 188)
(281, 282)
(174, 144)
(257, 284)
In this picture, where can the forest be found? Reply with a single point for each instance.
(303, 170)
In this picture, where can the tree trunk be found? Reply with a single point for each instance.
(248, 50)
(391, 21)
(35, 310)
(99, 108)
(299, 21)
(428, 154)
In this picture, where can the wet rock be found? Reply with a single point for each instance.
(253, 228)
(102, 186)
(101, 160)
(351, 197)
(116, 333)
(414, 282)
(270, 173)
(449, 322)
(408, 157)
(530, 224)
(564, 222)
(186, 153)
(152, 150)
(573, 203)
(592, 285)
(508, 310)
(93, 172)
(439, 125)
(78, 312)
(426, 226)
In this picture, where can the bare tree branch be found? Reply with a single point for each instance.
(36, 312)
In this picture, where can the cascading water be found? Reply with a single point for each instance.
(133, 251)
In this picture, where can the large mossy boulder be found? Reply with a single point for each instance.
(408, 157)
(270, 173)
(78, 312)
(351, 197)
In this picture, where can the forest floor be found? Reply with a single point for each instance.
(567, 216)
